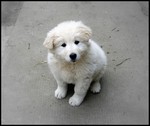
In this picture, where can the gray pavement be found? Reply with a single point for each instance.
(121, 28)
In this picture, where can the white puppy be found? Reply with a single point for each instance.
(74, 59)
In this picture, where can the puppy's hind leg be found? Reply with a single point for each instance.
(95, 87)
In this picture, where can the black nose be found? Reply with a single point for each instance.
(73, 56)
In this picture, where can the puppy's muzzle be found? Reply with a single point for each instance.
(73, 57)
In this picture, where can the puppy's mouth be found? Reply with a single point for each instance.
(73, 61)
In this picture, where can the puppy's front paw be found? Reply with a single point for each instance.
(75, 100)
(60, 92)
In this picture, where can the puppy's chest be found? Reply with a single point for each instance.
(70, 74)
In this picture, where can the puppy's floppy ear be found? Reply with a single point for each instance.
(49, 40)
(85, 32)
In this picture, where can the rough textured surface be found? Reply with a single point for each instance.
(121, 28)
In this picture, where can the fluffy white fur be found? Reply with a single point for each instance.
(85, 68)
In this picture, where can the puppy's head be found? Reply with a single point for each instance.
(68, 41)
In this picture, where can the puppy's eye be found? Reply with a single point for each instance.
(63, 45)
(76, 42)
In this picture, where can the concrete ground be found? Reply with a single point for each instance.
(121, 28)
